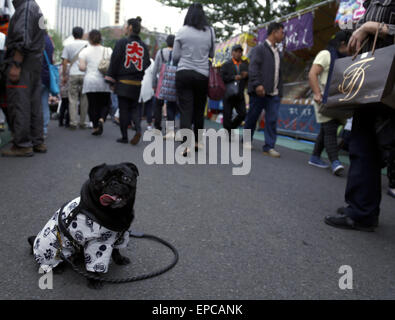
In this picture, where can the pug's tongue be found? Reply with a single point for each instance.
(107, 199)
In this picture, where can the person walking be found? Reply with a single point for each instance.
(25, 46)
(234, 74)
(318, 76)
(76, 78)
(48, 50)
(128, 64)
(193, 46)
(164, 56)
(368, 146)
(265, 87)
(94, 86)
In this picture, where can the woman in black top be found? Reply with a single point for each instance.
(129, 61)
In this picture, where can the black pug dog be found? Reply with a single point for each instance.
(98, 223)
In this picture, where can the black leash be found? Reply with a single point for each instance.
(63, 228)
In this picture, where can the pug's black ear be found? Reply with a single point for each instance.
(132, 167)
(95, 170)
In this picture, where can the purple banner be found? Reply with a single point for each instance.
(299, 32)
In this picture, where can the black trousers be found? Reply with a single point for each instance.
(172, 110)
(363, 190)
(98, 104)
(238, 103)
(192, 89)
(327, 138)
(24, 106)
(64, 116)
(391, 170)
(129, 111)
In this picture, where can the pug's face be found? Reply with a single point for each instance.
(114, 186)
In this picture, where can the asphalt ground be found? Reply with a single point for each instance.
(259, 236)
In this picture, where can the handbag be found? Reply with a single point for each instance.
(166, 88)
(216, 86)
(54, 88)
(105, 62)
(232, 88)
(361, 80)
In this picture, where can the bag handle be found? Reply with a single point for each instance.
(76, 56)
(366, 41)
(46, 58)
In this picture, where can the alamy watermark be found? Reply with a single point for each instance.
(346, 280)
(46, 280)
(154, 153)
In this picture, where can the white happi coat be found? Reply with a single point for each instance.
(97, 241)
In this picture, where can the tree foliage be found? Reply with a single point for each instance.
(229, 16)
(58, 44)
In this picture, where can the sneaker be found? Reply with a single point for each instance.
(337, 168)
(272, 153)
(136, 139)
(15, 151)
(317, 162)
(247, 145)
(72, 127)
(41, 148)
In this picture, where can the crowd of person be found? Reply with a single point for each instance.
(121, 82)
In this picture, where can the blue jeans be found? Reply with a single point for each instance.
(114, 104)
(45, 105)
(271, 105)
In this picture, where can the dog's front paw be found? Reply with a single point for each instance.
(119, 259)
(95, 284)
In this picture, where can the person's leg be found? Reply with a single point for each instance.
(185, 94)
(158, 105)
(227, 114)
(391, 170)
(36, 116)
(330, 139)
(105, 100)
(74, 95)
(19, 108)
(240, 106)
(272, 105)
(148, 109)
(45, 107)
(124, 117)
(319, 144)
(199, 103)
(93, 108)
(254, 112)
(83, 103)
(135, 114)
(363, 190)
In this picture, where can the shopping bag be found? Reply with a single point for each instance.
(360, 81)
(54, 88)
(166, 88)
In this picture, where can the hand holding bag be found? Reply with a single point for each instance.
(360, 81)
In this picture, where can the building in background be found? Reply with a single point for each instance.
(71, 13)
(113, 13)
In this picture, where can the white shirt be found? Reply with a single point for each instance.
(70, 51)
(146, 87)
(94, 80)
(276, 67)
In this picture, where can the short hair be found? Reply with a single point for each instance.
(136, 24)
(274, 26)
(196, 17)
(95, 37)
(78, 32)
(170, 40)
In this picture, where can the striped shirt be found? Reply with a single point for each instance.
(380, 11)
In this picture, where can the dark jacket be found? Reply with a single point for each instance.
(129, 61)
(24, 32)
(229, 72)
(261, 70)
(49, 49)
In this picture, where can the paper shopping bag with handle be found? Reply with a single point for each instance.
(360, 81)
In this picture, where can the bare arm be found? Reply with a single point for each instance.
(314, 73)
(82, 65)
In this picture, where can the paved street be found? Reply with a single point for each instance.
(260, 236)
